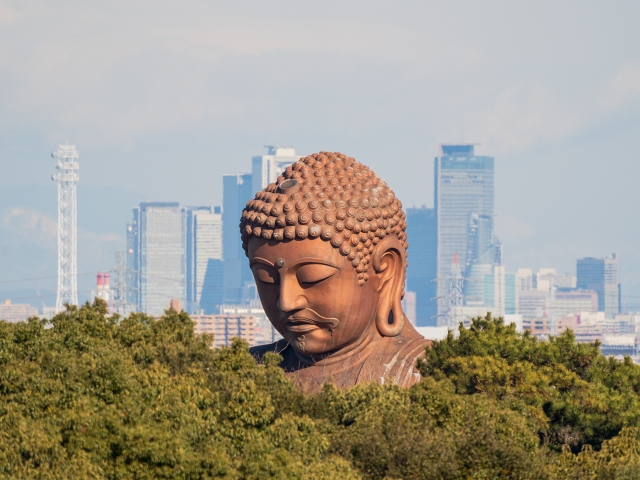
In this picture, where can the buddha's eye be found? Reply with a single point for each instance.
(265, 274)
(314, 273)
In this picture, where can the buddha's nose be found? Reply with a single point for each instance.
(291, 296)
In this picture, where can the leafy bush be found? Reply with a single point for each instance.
(90, 395)
(575, 394)
(95, 397)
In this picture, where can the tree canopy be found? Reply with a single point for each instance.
(92, 395)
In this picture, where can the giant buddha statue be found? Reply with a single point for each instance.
(328, 249)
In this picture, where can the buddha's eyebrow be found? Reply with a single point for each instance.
(261, 260)
(322, 261)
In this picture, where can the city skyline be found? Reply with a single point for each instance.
(315, 239)
(482, 234)
(186, 95)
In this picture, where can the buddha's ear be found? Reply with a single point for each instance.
(388, 262)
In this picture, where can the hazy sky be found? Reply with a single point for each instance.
(161, 98)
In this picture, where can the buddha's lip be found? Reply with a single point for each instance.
(308, 317)
(296, 320)
(301, 327)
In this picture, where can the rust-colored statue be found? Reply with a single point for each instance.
(327, 247)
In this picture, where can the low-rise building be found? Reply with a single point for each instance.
(17, 312)
(227, 327)
(265, 333)
(619, 345)
(536, 325)
(533, 303)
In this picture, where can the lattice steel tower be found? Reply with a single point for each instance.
(67, 177)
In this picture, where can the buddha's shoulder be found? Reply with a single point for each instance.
(279, 347)
(395, 360)
(404, 347)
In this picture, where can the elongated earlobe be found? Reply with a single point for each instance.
(389, 260)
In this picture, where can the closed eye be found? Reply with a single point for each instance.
(265, 274)
(313, 273)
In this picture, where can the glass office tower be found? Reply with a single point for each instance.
(422, 268)
(463, 188)
(204, 259)
(237, 191)
(156, 252)
(602, 275)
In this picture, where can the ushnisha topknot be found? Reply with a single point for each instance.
(331, 196)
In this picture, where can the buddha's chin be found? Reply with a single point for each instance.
(315, 342)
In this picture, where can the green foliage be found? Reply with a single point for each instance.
(100, 397)
(576, 395)
(90, 395)
(428, 432)
(619, 458)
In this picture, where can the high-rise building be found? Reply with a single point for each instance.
(533, 303)
(158, 256)
(237, 190)
(422, 268)
(548, 278)
(204, 259)
(601, 275)
(266, 168)
(500, 292)
(482, 247)
(484, 254)
(464, 211)
(510, 294)
(132, 275)
(569, 301)
(524, 279)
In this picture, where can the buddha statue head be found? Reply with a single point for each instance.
(327, 247)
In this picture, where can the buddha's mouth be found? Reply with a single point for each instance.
(301, 327)
(307, 320)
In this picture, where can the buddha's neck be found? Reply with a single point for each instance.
(344, 355)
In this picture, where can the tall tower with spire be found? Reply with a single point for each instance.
(67, 178)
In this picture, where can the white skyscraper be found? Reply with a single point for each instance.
(158, 255)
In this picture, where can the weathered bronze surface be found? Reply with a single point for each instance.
(327, 247)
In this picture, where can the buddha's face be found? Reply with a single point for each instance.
(310, 293)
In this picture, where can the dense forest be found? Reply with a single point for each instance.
(91, 395)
